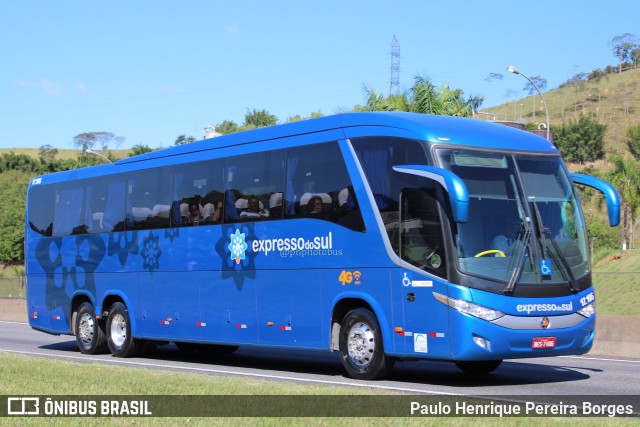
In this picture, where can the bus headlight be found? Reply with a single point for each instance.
(588, 310)
(469, 308)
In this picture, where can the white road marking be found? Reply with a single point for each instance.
(238, 373)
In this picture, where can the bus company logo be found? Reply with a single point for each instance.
(238, 246)
(545, 323)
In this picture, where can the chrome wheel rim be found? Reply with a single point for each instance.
(361, 344)
(85, 329)
(118, 330)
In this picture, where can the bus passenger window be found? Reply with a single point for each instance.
(251, 181)
(68, 210)
(40, 219)
(148, 199)
(198, 184)
(317, 178)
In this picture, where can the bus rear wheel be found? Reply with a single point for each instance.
(89, 332)
(361, 346)
(479, 367)
(119, 339)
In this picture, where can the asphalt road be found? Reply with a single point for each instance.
(541, 376)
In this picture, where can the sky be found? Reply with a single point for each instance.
(149, 71)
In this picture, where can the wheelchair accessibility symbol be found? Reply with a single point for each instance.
(406, 281)
(545, 267)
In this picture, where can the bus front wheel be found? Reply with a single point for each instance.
(119, 339)
(361, 346)
(479, 367)
(89, 332)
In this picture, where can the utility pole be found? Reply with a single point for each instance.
(394, 85)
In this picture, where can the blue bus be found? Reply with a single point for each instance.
(381, 236)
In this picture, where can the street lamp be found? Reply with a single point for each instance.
(95, 153)
(514, 70)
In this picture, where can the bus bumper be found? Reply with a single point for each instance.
(476, 339)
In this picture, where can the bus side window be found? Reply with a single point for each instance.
(41, 219)
(421, 240)
(316, 176)
(68, 210)
(148, 199)
(198, 184)
(251, 181)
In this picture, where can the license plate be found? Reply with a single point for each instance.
(543, 342)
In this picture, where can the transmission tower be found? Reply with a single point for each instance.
(394, 85)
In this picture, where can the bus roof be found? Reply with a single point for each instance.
(444, 129)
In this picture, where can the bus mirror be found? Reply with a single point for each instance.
(452, 183)
(609, 192)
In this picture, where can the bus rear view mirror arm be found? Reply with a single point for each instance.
(452, 183)
(609, 192)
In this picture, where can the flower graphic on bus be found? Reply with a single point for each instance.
(237, 246)
(151, 252)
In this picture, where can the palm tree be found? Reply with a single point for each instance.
(424, 97)
(626, 178)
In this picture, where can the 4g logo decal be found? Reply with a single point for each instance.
(347, 277)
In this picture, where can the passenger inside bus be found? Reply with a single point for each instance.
(212, 212)
(254, 210)
(317, 208)
(194, 216)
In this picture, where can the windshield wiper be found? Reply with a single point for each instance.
(526, 239)
(544, 231)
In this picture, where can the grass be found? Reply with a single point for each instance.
(617, 284)
(25, 376)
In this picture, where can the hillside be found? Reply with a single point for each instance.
(63, 154)
(614, 100)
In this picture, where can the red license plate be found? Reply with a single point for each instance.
(543, 342)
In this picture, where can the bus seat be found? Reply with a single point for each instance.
(161, 211)
(140, 214)
(97, 220)
(275, 205)
(242, 204)
(275, 200)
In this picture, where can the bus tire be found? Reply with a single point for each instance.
(119, 339)
(89, 331)
(479, 367)
(361, 346)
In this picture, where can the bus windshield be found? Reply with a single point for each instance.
(524, 221)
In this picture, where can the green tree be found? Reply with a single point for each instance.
(47, 153)
(622, 46)
(625, 176)
(298, 118)
(21, 162)
(227, 127)
(633, 140)
(12, 214)
(539, 82)
(581, 141)
(635, 56)
(424, 97)
(96, 140)
(183, 139)
(140, 149)
(258, 119)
